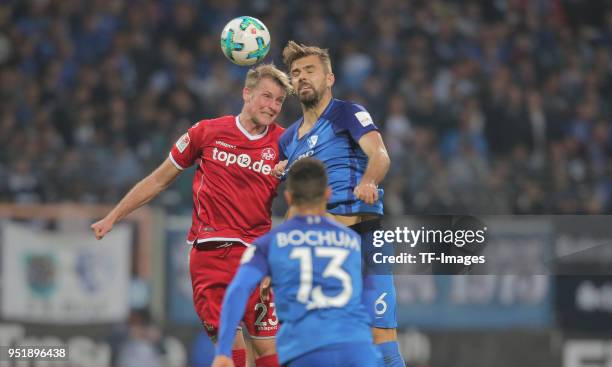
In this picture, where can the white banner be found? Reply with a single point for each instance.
(64, 277)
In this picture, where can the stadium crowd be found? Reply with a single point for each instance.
(485, 106)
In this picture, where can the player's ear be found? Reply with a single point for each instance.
(246, 94)
(328, 192)
(288, 197)
(330, 79)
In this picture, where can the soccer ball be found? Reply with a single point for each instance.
(245, 40)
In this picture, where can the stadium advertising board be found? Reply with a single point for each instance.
(512, 289)
(473, 301)
(591, 352)
(64, 277)
(480, 348)
(583, 245)
(180, 302)
(584, 303)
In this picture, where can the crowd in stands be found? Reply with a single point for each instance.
(494, 107)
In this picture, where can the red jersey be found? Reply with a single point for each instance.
(233, 186)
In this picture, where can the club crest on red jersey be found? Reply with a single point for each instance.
(268, 154)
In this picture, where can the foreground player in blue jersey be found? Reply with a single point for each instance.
(344, 137)
(315, 266)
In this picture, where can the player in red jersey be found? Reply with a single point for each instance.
(233, 190)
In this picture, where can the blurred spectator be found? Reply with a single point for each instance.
(142, 345)
(501, 106)
(398, 129)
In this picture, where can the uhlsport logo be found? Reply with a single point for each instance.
(243, 160)
(268, 154)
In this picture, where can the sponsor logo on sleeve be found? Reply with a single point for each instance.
(182, 143)
(364, 118)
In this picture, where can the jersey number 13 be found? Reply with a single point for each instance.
(314, 297)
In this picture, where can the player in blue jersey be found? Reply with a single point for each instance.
(344, 137)
(315, 266)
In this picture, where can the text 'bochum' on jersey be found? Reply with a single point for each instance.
(299, 237)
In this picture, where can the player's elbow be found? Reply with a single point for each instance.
(161, 179)
(384, 160)
(156, 183)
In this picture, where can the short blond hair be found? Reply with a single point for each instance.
(294, 51)
(255, 75)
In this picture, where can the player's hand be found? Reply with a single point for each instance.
(264, 289)
(102, 227)
(222, 361)
(279, 169)
(366, 192)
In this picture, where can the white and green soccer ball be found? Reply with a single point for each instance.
(245, 40)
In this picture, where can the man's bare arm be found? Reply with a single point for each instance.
(143, 192)
(378, 165)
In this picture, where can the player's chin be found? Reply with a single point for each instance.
(306, 94)
(309, 99)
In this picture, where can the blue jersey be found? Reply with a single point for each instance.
(315, 266)
(334, 140)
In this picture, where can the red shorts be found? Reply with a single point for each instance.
(212, 268)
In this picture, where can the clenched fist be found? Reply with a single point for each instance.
(366, 192)
(279, 169)
(102, 227)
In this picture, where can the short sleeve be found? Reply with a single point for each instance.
(356, 120)
(188, 148)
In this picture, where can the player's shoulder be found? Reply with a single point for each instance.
(275, 130)
(340, 227)
(221, 122)
(347, 113)
(343, 110)
(264, 239)
(287, 225)
(214, 123)
(347, 107)
(206, 129)
(264, 243)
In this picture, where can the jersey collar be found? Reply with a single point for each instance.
(246, 133)
(322, 116)
(328, 108)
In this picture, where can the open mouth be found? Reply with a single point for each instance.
(304, 87)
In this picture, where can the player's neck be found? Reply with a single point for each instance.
(304, 210)
(311, 115)
(249, 125)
